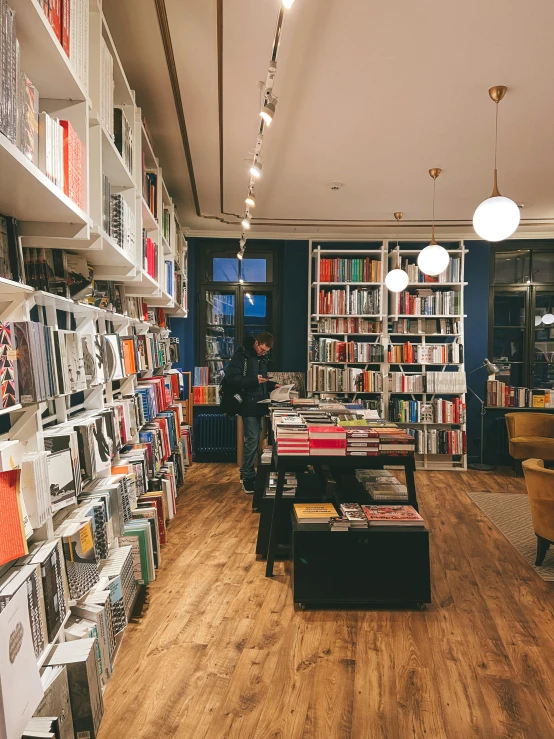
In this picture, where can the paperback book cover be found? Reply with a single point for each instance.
(9, 387)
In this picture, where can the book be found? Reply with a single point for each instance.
(80, 556)
(13, 542)
(314, 512)
(29, 579)
(397, 515)
(9, 387)
(56, 702)
(20, 684)
(61, 475)
(85, 690)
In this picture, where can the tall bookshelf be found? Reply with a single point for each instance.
(385, 328)
(79, 87)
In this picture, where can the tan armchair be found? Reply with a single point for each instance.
(530, 435)
(540, 488)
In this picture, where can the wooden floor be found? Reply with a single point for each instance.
(219, 651)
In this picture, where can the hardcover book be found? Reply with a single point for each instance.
(56, 700)
(9, 387)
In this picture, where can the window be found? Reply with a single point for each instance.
(239, 298)
(521, 335)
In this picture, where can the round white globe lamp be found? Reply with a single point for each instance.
(396, 280)
(433, 259)
(548, 319)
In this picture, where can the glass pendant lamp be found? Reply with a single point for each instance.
(397, 279)
(434, 258)
(497, 217)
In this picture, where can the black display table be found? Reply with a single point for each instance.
(285, 463)
(378, 565)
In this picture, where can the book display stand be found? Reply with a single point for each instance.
(363, 340)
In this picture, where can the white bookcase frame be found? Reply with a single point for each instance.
(384, 252)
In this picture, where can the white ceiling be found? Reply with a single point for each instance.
(372, 93)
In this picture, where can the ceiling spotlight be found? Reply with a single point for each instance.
(397, 279)
(245, 223)
(434, 258)
(250, 200)
(256, 169)
(497, 217)
(268, 111)
(287, 3)
(240, 254)
(242, 243)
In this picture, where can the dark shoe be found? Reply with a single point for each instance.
(248, 485)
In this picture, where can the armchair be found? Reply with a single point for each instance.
(530, 436)
(540, 488)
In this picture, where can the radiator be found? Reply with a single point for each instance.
(215, 433)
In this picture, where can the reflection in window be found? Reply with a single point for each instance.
(225, 269)
(511, 268)
(254, 270)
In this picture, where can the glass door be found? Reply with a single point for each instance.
(258, 313)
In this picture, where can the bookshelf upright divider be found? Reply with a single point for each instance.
(387, 326)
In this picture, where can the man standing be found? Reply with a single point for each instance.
(246, 375)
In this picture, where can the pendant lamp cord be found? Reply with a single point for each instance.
(433, 229)
(495, 135)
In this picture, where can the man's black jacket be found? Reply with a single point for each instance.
(247, 385)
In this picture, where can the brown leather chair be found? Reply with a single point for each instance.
(530, 436)
(540, 488)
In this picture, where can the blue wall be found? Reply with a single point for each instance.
(294, 321)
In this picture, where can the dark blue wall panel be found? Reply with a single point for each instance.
(294, 306)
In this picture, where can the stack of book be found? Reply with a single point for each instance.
(395, 441)
(292, 438)
(327, 441)
(150, 255)
(314, 512)
(339, 523)
(361, 441)
(397, 515)
(349, 270)
(289, 488)
(316, 417)
(331, 350)
(453, 273)
(347, 326)
(354, 515)
(206, 394)
(382, 485)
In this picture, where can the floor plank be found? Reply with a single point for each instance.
(219, 652)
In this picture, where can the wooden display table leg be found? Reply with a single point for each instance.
(274, 521)
(409, 469)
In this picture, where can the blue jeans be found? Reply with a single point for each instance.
(252, 432)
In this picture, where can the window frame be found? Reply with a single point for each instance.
(228, 248)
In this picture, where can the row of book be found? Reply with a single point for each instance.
(453, 273)
(206, 394)
(70, 276)
(408, 353)
(349, 270)
(330, 350)
(39, 363)
(169, 277)
(501, 395)
(439, 441)
(150, 189)
(355, 516)
(69, 21)
(62, 157)
(356, 302)
(150, 252)
(347, 326)
(439, 410)
(432, 382)
(201, 376)
(349, 380)
(107, 89)
(445, 326)
(83, 584)
(123, 138)
(123, 225)
(427, 302)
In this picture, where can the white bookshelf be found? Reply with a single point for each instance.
(47, 218)
(384, 252)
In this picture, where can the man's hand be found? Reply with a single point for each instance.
(261, 379)
(277, 385)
